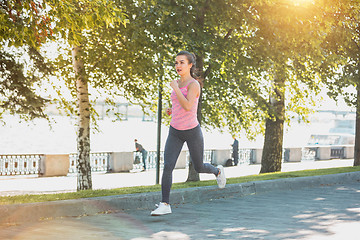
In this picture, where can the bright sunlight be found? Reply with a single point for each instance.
(300, 2)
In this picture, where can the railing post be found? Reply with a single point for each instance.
(349, 151)
(121, 161)
(293, 155)
(54, 165)
(221, 156)
(324, 153)
(256, 155)
(108, 159)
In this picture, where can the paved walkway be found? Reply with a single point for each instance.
(16, 185)
(328, 212)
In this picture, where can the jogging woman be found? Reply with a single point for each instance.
(184, 127)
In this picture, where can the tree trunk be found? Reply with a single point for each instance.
(83, 134)
(357, 131)
(272, 151)
(274, 132)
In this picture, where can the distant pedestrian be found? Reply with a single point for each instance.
(184, 127)
(140, 148)
(235, 151)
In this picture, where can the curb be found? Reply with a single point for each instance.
(21, 213)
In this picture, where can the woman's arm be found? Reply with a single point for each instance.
(193, 92)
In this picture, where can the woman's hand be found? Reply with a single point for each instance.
(169, 111)
(174, 84)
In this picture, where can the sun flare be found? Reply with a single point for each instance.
(301, 2)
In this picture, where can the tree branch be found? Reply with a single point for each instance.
(228, 33)
(207, 71)
(357, 45)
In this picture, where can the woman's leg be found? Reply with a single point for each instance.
(195, 142)
(173, 147)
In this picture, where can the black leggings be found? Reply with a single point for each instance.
(174, 143)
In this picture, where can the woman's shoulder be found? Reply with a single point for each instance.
(194, 86)
(194, 82)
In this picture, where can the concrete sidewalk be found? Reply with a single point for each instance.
(18, 214)
(313, 210)
(18, 185)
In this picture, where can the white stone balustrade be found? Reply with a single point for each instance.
(47, 165)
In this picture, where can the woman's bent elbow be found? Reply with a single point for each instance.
(187, 108)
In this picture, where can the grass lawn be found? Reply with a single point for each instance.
(142, 189)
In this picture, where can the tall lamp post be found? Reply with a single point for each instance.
(159, 129)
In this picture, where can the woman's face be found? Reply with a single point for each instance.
(182, 65)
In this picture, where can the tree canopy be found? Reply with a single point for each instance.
(341, 47)
(250, 54)
(24, 26)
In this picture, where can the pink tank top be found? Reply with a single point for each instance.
(181, 119)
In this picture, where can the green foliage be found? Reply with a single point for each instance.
(157, 30)
(341, 47)
(94, 25)
(24, 23)
(237, 42)
(286, 45)
(75, 19)
(238, 45)
(241, 46)
(24, 26)
(17, 94)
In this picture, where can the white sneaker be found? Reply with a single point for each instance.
(220, 178)
(162, 209)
